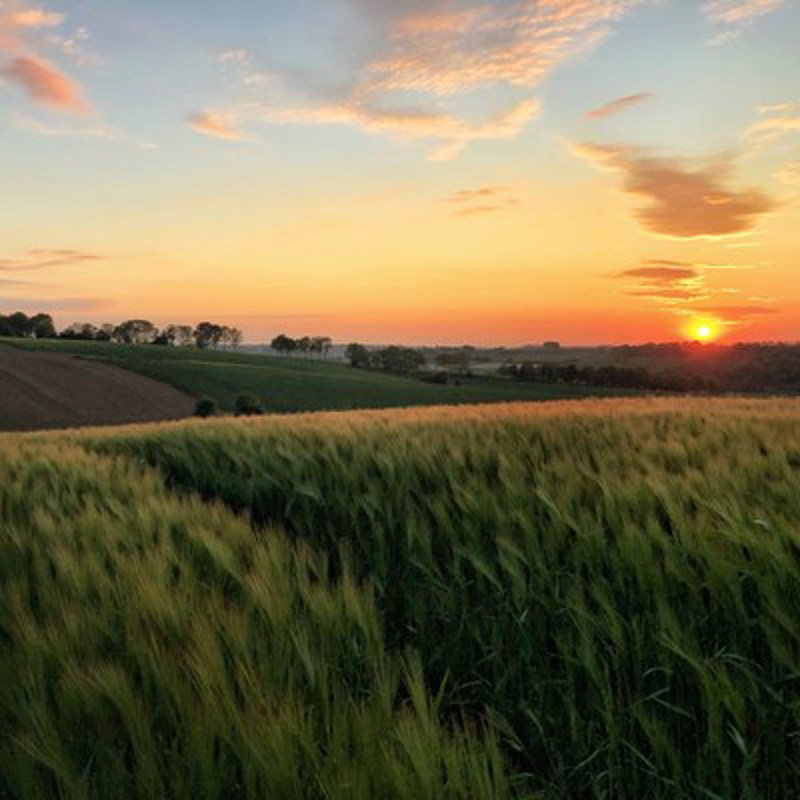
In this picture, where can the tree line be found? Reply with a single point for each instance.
(305, 345)
(132, 331)
(612, 377)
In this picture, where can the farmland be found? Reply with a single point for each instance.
(591, 599)
(293, 384)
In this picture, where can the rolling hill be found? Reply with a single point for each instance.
(295, 385)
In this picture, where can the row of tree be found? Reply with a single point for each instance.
(403, 360)
(611, 376)
(308, 346)
(21, 326)
(132, 331)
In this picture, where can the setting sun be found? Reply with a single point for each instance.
(704, 332)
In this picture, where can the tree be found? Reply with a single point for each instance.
(304, 345)
(400, 359)
(283, 344)
(207, 334)
(321, 345)
(42, 326)
(205, 407)
(135, 331)
(357, 355)
(19, 325)
(235, 336)
(248, 405)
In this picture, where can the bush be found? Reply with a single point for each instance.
(205, 407)
(248, 405)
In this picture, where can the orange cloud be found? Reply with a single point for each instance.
(478, 202)
(45, 84)
(43, 258)
(452, 133)
(680, 201)
(217, 126)
(615, 106)
(454, 50)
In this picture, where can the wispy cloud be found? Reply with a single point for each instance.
(734, 15)
(681, 200)
(43, 258)
(460, 47)
(216, 125)
(481, 201)
(107, 133)
(615, 106)
(427, 51)
(451, 133)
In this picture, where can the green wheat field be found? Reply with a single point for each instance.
(592, 599)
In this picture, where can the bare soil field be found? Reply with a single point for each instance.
(49, 390)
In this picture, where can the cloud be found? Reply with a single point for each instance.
(481, 201)
(34, 18)
(736, 15)
(216, 125)
(45, 84)
(41, 258)
(106, 133)
(734, 315)
(452, 133)
(459, 47)
(774, 127)
(680, 201)
(667, 275)
(234, 56)
(411, 54)
(789, 173)
(735, 12)
(615, 106)
(54, 304)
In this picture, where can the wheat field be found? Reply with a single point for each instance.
(594, 599)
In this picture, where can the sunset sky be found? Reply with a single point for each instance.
(418, 171)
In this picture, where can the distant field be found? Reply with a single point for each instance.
(598, 599)
(291, 385)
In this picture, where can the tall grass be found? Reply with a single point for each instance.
(584, 600)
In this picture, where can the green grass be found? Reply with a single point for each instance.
(291, 385)
(594, 600)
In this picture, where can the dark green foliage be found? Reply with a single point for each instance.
(248, 405)
(205, 407)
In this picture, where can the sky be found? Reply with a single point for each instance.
(497, 172)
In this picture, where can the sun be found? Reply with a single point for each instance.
(703, 332)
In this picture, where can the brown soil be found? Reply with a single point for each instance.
(49, 390)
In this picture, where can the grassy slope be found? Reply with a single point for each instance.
(289, 385)
(583, 600)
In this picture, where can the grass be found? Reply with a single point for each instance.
(596, 599)
(292, 385)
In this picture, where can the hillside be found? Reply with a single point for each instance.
(543, 601)
(293, 384)
(41, 390)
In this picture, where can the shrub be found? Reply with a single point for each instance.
(248, 405)
(205, 407)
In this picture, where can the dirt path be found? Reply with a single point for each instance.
(49, 390)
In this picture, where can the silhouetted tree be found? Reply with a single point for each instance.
(135, 331)
(42, 327)
(358, 355)
(283, 344)
(208, 334)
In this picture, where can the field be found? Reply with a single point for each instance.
(598, 599)
(292, 385)
(52, 390)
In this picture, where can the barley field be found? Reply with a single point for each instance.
(592, 599)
